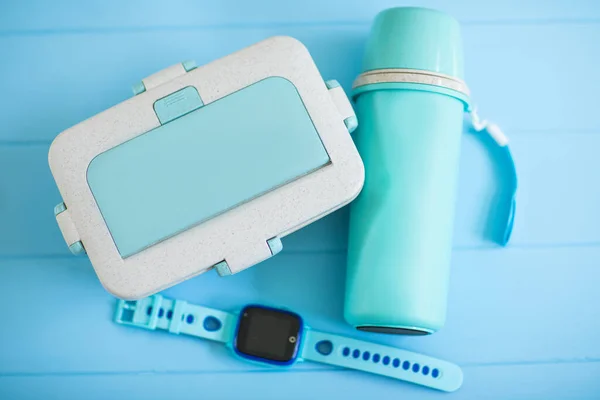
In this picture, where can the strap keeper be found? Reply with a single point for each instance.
(176, 320)
(153, 320)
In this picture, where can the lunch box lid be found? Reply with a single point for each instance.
(206, 167)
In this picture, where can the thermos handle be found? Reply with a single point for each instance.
(500, 138)
(449, 85)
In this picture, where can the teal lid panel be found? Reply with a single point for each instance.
(204, 163)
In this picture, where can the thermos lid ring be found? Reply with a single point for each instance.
(402, 75)
(411, 79)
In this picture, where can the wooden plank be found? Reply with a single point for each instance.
(28, 195)
(513, 306)
(530, 382)
(86, 73)
(518, 76)
(26, 16)
(556, 203)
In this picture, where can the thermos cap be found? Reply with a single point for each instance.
(415, 38)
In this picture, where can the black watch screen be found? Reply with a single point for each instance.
(268, 335)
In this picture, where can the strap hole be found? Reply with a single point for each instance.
(127, 315)
(161, 312)
(376, 358)
(346, 351)
(416, 367)
(211, 324)
(396, 363)
(169, 314)
(324, 347)
(435, 373)
(149, 310)
(190, 319)
(356, 353)
(406, 365)
(386, 360)
(366, 356)
(425, 370)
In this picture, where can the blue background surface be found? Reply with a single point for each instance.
(523, 321)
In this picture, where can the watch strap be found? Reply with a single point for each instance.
(381, 360)
(176, 316)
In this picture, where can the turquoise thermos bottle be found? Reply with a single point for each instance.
(410, 102)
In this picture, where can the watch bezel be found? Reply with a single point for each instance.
(297, 345)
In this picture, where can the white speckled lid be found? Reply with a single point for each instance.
(232, 240)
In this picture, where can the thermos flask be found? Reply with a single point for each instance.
(410, 102)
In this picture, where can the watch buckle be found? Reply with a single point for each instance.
(134, 312)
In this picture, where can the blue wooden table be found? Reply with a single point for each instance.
(524, 322)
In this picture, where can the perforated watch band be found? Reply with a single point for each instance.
(176, 316)
(381, 360)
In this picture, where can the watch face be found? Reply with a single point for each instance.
(268, 335)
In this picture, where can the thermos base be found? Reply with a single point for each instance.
(412, 331)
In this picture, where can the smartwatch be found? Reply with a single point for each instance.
(280, 338)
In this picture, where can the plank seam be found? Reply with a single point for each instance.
(263, 25)
(465, 249)
(272, 371)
